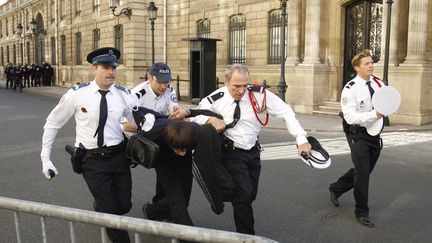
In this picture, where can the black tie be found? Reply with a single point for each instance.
(236, 115)
(371, 90)
(103, 115)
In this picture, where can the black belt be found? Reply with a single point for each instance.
(228, 146)
(104, 152)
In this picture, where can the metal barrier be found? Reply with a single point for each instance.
(174, 231)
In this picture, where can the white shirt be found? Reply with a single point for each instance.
(147, 98)
(356, 102)
(245, 132)
(84, 103)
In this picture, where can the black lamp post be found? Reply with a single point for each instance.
(282, 86)
(387, 42)
(152, 12)
(113, 4)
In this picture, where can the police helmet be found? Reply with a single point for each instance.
(319, 158)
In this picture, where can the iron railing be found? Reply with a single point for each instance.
(168, 230)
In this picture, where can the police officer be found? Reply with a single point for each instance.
(356, 103)
(241, 156)
(98, 107)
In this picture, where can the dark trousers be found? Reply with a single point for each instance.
(365, 151)
(110, 183)
(245, 168)
(173, 187)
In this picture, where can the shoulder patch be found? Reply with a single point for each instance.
(348, 85)
(170, 88)
(122, 88)
(140, 93)
(76, 87)
(173, 98)
(256, 88)
(215, 97)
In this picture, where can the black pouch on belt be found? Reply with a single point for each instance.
(77, 156)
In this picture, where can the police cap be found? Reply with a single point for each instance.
(105, 56)
(319, 157)
(161, 71)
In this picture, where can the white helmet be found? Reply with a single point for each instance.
(319, 158)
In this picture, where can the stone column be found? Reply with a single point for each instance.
(394, 32)
(417, 31)
(312, 32)
(294, 24)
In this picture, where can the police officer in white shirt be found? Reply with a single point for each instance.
(239, 107)
(156, 93)
(356, 104)
(98, 107)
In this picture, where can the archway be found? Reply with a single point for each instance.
(363, 30)
(40, 40)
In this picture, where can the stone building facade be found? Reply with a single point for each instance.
(321, 38)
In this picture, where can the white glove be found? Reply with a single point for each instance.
(46, 166)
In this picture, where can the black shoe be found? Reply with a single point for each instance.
(366, 221)
(333, 197)
(144, 209)
(96, 207)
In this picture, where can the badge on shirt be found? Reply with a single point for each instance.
(344, 101)
(174, 98)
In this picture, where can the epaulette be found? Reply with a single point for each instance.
(170, 88)
(140, 93)
(256, 88)
(122, 88)
(348, 85)
(76, 87)
(215, 97)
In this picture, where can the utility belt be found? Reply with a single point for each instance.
(228, 146)
(103, 153)
(352, 129)
(80, 154)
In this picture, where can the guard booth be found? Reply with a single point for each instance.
(202, 67)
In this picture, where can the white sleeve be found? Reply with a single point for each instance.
(277, 107)
(202, 119)
(172, 101)
(56, 119)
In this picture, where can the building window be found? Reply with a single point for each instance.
(28, 52)
(237, 39)
(7, 27)
(7, 54)
(13, 25)
(53, 12)
(77, 7)
(118, 40)
(96, 5)
(274, 25)
(78, 48)
(2, 57)
(1, 29)
(62, 10)
(63, 49)
(96, 38)
(14, 54)
(22, 53)
(203, 28)
(53, 51)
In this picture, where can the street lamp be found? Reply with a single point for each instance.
(113, 4)
(387, 43)
(282, 86)
(20, 29)
(152, 12)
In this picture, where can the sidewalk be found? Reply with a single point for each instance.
(311, 123)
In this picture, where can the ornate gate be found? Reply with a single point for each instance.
(363, 29)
